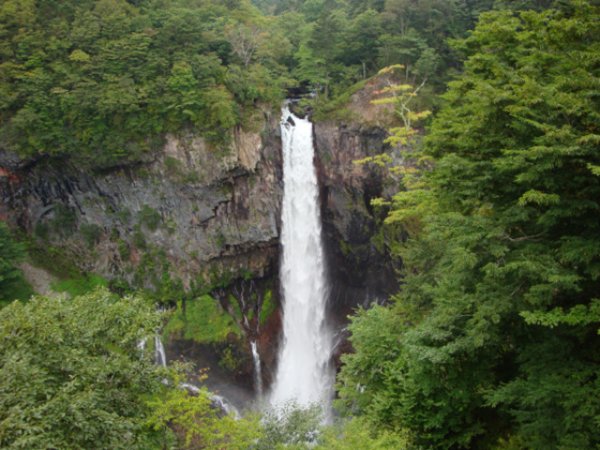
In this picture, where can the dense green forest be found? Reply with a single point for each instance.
(494, 334)
(101, 81)
(492, 341)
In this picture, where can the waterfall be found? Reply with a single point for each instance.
(220, 402)
(161, 360)
(304, 373)
(217, 400)
(159, 352)
(258, 386)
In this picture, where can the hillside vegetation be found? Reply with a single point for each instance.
(492, 341)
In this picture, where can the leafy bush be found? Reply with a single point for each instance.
(199, 425)
(91, 233)
(12, 284)
(149, 217)
(71, 376)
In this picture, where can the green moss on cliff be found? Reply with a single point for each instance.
(80, 285)
(268, 307)
(203, 321)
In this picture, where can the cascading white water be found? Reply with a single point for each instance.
(141, 345)
(304, 374)
(159, 352)
(257, 370)
(217, 400)
(160, 359)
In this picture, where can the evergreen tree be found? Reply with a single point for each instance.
(12, 284)
(495, 333)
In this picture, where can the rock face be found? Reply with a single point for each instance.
(196, 206)
(360, 272)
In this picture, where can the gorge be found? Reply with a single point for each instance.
(413, 245)
(212, 220)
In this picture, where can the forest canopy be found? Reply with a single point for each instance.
(102, 81)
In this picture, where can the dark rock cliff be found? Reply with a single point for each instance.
(360, 273)
(200, 208)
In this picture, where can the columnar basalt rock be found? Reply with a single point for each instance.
(203, 207)
(360, 272)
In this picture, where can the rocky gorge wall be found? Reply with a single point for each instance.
(195, 205)
(360, 271)
(192, 213)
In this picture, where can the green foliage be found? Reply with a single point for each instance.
(200, 424)
(337, 43)
(71, 280)
(149, 217)
(12, 284)
(80, 285)
(577, 315)
(366, 371)
(302, 428)
(268, 307)
(71, 376)
(401, 96)
(155, 273)
(16, 289)
(228, 360)
(336, 108)
(290, 427)
(102, 81)
(360, 434)
(494, 336)
(52, 259)
(203, 321)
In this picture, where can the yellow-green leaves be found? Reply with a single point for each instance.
(382, 160)
(79, 56)
(595, 169)
(202, 425)
(401, 95)
(575, 316)
(533, 196)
